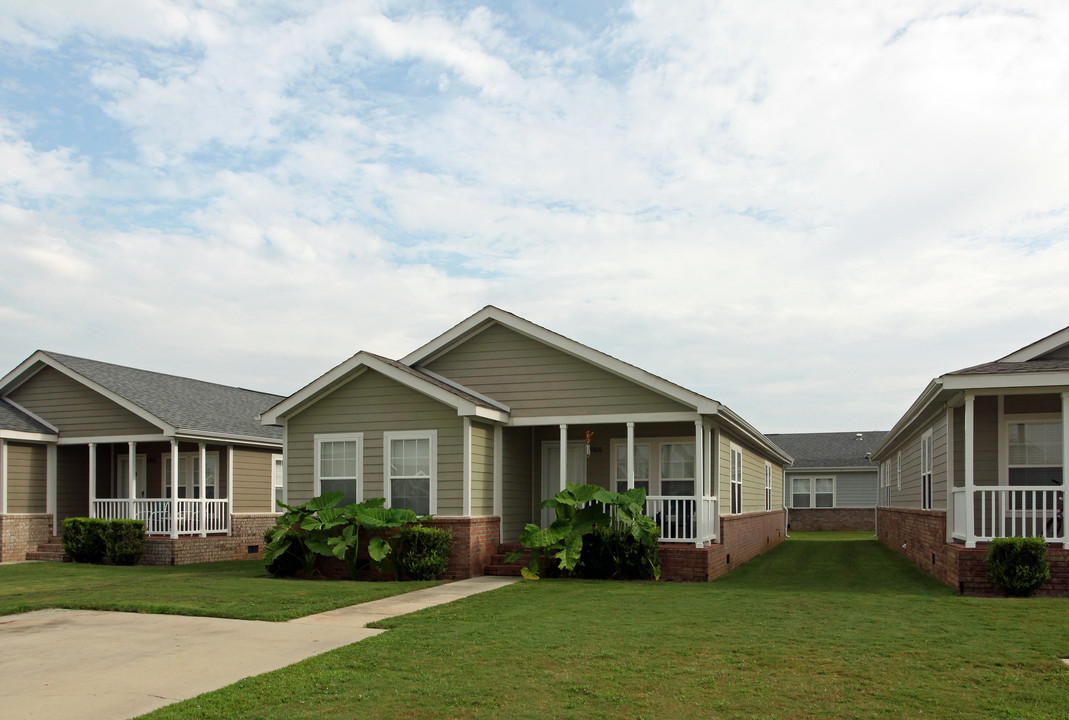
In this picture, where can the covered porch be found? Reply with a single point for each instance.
(1006, 454)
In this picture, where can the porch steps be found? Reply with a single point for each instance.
(498, 566)
(49, 551)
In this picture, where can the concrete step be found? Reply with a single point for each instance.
(512, 570)
(47, 555)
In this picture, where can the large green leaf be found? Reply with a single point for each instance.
(378, 549)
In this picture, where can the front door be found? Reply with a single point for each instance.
(551, 471)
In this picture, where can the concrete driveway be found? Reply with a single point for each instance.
(106, 665)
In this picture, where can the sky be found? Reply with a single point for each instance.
(803, 210)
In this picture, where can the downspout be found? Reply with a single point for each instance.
(876, 509)
(786, 510)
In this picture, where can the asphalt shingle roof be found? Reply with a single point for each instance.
(11, 418)
(1029, 366)
(829, 449)
(187, 404)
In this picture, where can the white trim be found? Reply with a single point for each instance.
(432, 435)
(970, 466)
(630, 459)
(30, 413)
(454, 384)
(230, 486)
(174, 487)
(1010, 381)
(563, 457)
(1004, 439)
(620, 418)
(92, 477)
(113, 439)
(499, 475)
(951, 520)
(812, 478)
(21, 436)
(898, 472)
(51, 478)
(631, 478)
(465, 475)
(202, 482)
(194, 481)
(927, 463)
(768, 486)
(3, 476)
(318, 439)
(1042, 346)
(735, 478)
(278, 458)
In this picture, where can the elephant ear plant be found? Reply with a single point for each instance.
(292, 531)
(579, 510)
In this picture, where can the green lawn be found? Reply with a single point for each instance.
(815, 629)
(238, 589)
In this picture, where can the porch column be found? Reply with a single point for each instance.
(131, 467)
(699, 481)
(229, 508)
(563, 456)
(3, 476)
(202, 509)
(970, 506)
(174, 489)
(92, 479)
(631, 456)
(465, 474)
(951, 519)
(1065, 468)
(51, 482)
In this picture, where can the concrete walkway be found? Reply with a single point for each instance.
(108, 665)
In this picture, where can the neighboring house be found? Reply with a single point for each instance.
(980, 455)
(833, 482)
(470, 428)
(85, 438)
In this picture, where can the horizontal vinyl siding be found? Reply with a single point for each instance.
(75, 409)
(753, 477)
(855, 490)
(518, 496)
(534, 379)
(26, 478)
(371, 404)
(253, 487)
(909, 495)
(482, 470)
(72, 482)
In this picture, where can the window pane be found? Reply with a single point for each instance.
(345, 486)
(410, 457)
(824, 485)
(337, 459)
(677, 461)
(801, 485)
(800, 500)
(825, 500)
(1035, 443)
(411, 493)
(1036, 476)
(642, 462)
(677, 488)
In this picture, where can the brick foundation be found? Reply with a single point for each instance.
(920, 535)
(742, 538)
(832, 519)
(247, 533)
(20, 534)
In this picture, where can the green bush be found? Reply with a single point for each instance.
(423, 552)
(125, 541)
(286, 564)
(85, 539)
(611, 554)
(1018, 565)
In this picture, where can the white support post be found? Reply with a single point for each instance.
(3, 476)
(174, 489)
(970, 506)
(1065, 469)
(631, 456)
(131, 478)
(563, 457)
(499, 483)
(202, 507)
(51, 482)
(707, 488)
(92, 479)
(950, 476)
(230, 486)
(466, 473)
(699, 481)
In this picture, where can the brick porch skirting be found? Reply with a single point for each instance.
(832, 519)
(20, 534)
(245, 542)
(920, 535)
(743, 537)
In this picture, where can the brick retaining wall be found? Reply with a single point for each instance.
(832, 519)
(742, 538)
(20, 534)
(245, 542)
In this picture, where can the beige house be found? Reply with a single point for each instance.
(83, 438)
(482, 423)
(980, 455)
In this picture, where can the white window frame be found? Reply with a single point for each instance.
(193, 485)
(278, 482)
(768, 486)
(812, 480)
(898, 470)
(615, 469)
(661, 479)
(122, 475)
(387, 449)
(926, 470)
(1025, 419)
(318, 439)
(655, 444)
(735, 478)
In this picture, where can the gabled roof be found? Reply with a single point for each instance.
(18, 421)
(466, 401)
(178, 405)
(1057, 343)
(830, 449)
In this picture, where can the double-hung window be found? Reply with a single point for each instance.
(642, 467)
(278, 482)
(677, 469)
(1035, 452)
(735, 471)
(339, 460)
(189, 474)
(768, 486)
(926, 471)
(814, 492)
(410, 468)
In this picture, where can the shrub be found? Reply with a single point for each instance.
(287, 563)
(609, 553)
(1018, 565)
(85, 539)
(125, 541)
(423, 552)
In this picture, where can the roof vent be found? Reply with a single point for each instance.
(860, 435)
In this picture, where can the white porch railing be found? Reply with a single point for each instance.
(1010, 511)
(156, 513)
(678, 520)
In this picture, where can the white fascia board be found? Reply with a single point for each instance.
(454, 384)
(588, 354)
(122, 402)
(227, 438)
(935, 387)
(108, 439)
(539, 420)
(1040, 347)
(1006, 380)
(829, 470)
(33, 415)
(735, 422)
(496, 416)
(311, 390)
(18, 435)
(23, 372)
